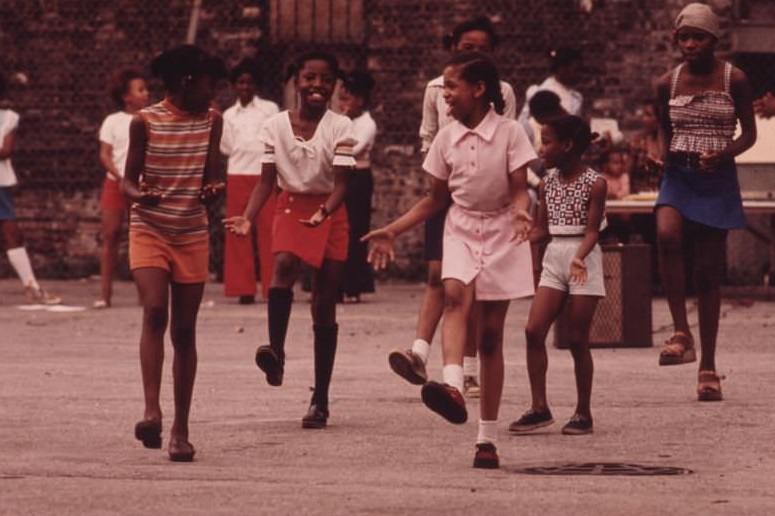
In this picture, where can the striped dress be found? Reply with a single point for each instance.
(175, 158)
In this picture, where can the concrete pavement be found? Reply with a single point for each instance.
(70, 394)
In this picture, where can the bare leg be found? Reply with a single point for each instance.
(111, 234)
(185, 307)
(546, 306)
(491, 321)
(671, 264)
(432, 304)
(152, 286)
(582, 309)
(710, 246)
(458, 300)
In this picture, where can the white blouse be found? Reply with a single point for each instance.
(307, 166)
(365, 130)
(240, 140)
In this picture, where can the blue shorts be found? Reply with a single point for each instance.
(6, 204)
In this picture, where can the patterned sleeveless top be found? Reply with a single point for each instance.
(567, 204)
(175, 157)
(702, 122)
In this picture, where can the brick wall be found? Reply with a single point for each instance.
(67, 49)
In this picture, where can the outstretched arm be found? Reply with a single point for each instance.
(240, 224)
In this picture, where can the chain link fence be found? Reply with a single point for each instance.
(59, 55)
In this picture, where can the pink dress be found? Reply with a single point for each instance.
(476, 164)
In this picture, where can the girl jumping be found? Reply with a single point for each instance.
(309, 154)
(479, 162)
(474, 35)
(171, 169)
(570, 216)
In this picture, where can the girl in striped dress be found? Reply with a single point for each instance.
(700, 103)
(171, 170)
(309, 154)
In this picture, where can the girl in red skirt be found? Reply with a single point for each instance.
(308, 153)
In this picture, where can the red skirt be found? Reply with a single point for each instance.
(328, 241)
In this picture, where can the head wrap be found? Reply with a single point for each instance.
(699, 16)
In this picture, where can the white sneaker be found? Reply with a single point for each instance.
(40, 296)
(471, 387)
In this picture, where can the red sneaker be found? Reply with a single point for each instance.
(486, 456)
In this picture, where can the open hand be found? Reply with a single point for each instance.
(578, 271)
(381, 251)
(238, 225)
(523, 223)
(210, 191)
(315, 220)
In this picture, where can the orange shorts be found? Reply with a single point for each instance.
(186, 263)
(112, 198)
(328, 241)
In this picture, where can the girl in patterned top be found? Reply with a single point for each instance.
(570, 218)
(309, 154)
(171, 170)
(700, 103)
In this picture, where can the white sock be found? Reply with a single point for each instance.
(470, 367)
(422, 349)
(453, 375)
(488, 432)
(21, 264)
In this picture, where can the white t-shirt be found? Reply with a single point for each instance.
(365, 130)
(115, 132)
(571, 100)
(307, 167)
(476, 163)
(434, 109)
(241, 130)
(9, 121)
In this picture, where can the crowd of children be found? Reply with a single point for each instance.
(298, 189)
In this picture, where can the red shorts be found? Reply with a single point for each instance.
(327, 241)
(112, 198)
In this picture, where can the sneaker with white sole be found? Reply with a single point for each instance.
(408, 365)
(471, 387)
(531, 420)
(578, 425)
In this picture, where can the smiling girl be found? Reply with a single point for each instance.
(478, 163)
(308, 153)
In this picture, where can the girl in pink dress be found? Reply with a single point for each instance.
(477, 165)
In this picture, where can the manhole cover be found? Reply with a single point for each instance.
(603, 468)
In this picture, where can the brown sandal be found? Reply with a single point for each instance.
(678, 349)
(708, 386)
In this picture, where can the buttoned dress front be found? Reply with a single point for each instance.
(478, 245)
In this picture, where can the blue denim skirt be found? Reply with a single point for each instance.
(709, 197)
(6, 205)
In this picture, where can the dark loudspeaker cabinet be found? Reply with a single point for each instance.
(623, 317)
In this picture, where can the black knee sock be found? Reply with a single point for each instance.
(325, 352)
(279, 308)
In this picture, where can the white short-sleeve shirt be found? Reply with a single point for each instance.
(241, 131)
(435, 110)
(307, 166)
(365, 130)
(477, 162)
(9, 121)
(571, 100)
(115, 132)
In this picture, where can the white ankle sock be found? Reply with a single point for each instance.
(453, 375)
(470, 367)
(488, 432)
(422, 349)
(20, 261)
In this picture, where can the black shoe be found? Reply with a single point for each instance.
(148, 431)
(531, 420)
(272, 365)
(247, 300)
(578, 425)
(486, 456)
(446, 401)
(316, 417)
